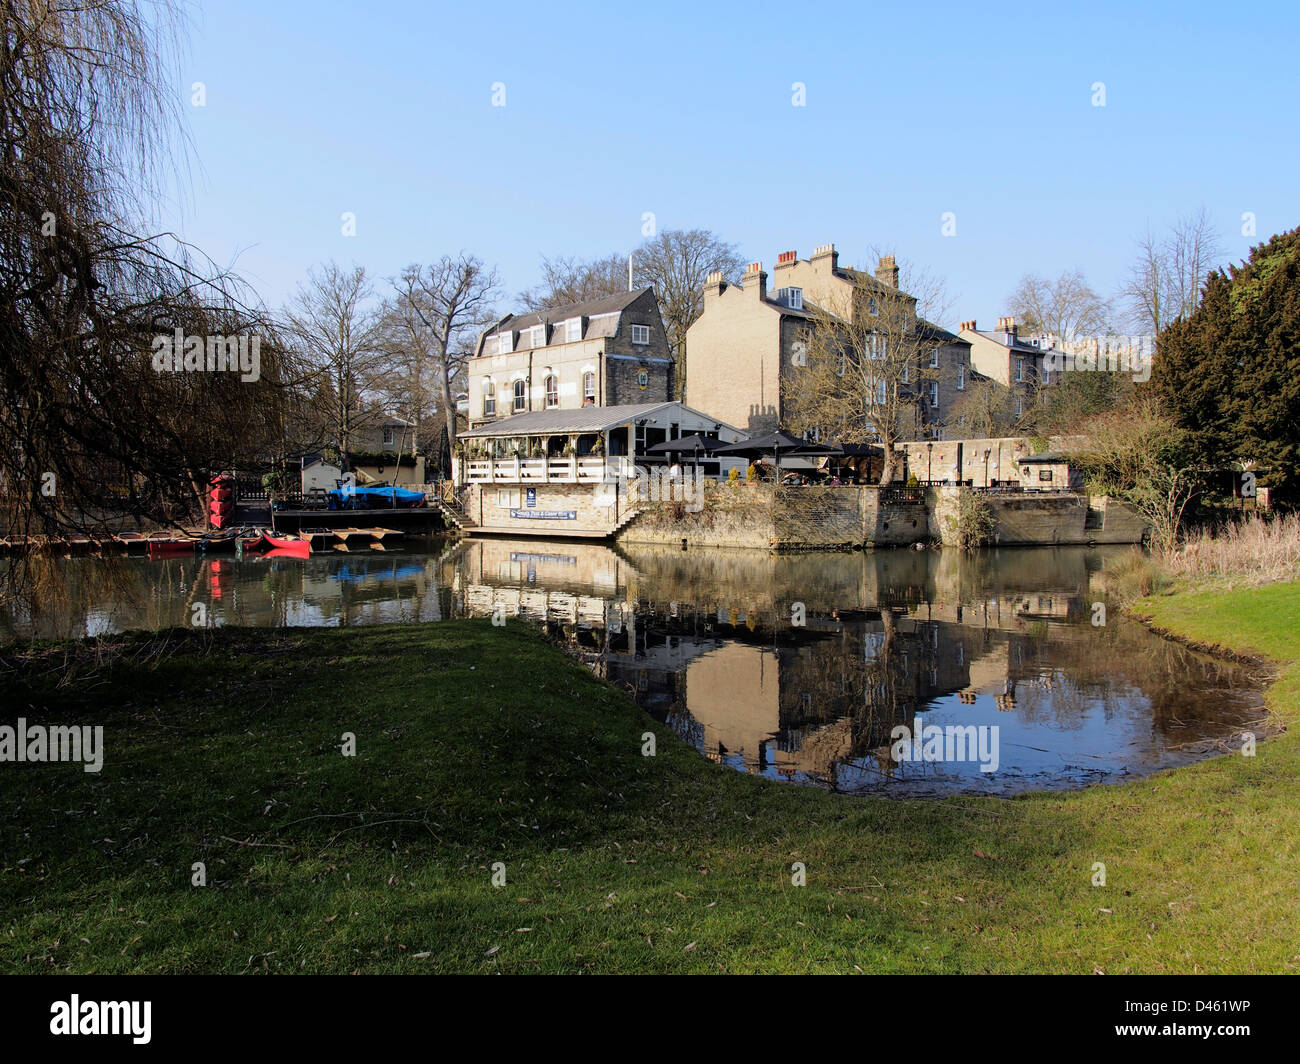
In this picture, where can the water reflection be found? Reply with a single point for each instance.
(711, 644)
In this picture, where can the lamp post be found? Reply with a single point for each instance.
(929, 454)
(987, 452)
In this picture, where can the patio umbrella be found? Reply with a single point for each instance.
(686, 444)
(773, 443)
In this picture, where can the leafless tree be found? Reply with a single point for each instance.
(677, 263)
(335, 329)
(1066, 308)
(1164, 282)
(982, 411)
(573, 280)
(439, 309)
(90, 429)
(858, 378)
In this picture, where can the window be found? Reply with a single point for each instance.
(504, 343)
(552, 391)
(508, 498)
(877, 348)
(539, 336)
(934, 358)
(489, 398)
(388, 433)
(791, 297)
(907, 372)
(521, 396)
(961, 378)
(882, 392)
(589, 386)
(1020, 369)
(934, 395)
(573, 330)
(1020, 406)
(640, 334)
(874, 310)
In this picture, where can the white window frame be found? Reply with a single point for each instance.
(934, 395)
(1020, 406)
(1020, 368)
(882, 392)
(551, 386)
(519, 395)
(961, 378)
(388, 434)
(489, 398)
(537, 336)
(794, 298)
(934, 358)
(505, 342)
(573, 330)
(640, 334)
(590, 375)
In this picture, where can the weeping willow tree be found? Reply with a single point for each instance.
(92, 430)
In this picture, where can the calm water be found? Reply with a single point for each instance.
(711, 644)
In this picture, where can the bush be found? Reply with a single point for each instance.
(974, 522)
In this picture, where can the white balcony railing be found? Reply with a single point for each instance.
(590, 470)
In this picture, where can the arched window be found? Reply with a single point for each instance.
(552, 391)
(489, 398)
(589, 386)
(521, 396)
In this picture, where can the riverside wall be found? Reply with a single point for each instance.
(819, 517)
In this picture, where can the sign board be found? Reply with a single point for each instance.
(546, 515)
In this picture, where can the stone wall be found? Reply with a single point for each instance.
(843, 518)
(490, 506)
(1040, 518)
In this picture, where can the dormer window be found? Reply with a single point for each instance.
(640, 334)
(505, 343)
(538, 336)
(791, 297)
(573, 330)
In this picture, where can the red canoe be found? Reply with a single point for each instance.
(297, 548)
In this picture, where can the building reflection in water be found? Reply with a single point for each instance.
(706, 642)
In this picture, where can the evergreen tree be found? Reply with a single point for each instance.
(1230, 372)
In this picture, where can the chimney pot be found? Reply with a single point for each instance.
(786, 258)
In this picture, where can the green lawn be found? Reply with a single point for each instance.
(478, 745)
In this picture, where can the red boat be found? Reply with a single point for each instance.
(296, 548)
(169, 548)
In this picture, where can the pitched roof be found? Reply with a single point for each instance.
(611, 304)
(583, 419)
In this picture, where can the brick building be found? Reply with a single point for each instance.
(611, 351)
(743, 350)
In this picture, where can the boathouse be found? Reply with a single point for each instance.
(574, 472)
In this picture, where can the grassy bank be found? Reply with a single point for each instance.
(477, 745)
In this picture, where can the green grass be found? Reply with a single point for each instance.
(478, 745)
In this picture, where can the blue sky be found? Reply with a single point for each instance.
(685, 110)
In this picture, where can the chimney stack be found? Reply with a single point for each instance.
(714, 285)
(824, 252)
(1008, 325)
(968, 326)
(755, 280)
(786, 258)
(887, 271)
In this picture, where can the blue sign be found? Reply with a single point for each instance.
(546, 515)
(532, 497)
